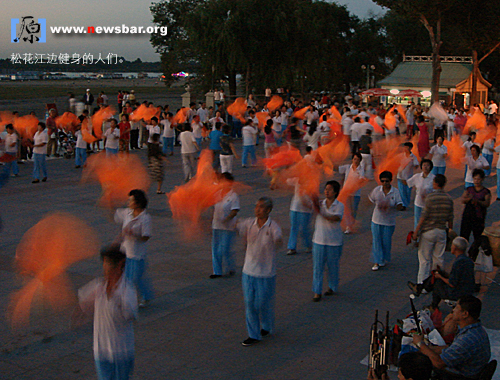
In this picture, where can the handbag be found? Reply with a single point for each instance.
(483, 262)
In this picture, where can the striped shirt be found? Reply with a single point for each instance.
(469, 352)
(437, 211)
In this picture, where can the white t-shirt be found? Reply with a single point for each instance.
(326, 232)
(203, 114)
(437, 155)
(187, 142)
(385, 205)
(112, 138)
(467, 146)
(299, 199)
(222, 209)
(408, 163)
(346, 126)
(152, 129)
(312, 140)
(277, 124)
(140, 226)
(357, 131)
(196, 130)
(167, 130)
(359, 172)
(423, 186)
(216, 120)
(488, 147)
(249, 135)
(472, 164)
(113, 318)
(260, 256)
(80, 142)
(11, 138)
(39, 138)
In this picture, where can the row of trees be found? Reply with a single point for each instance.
(315, 45)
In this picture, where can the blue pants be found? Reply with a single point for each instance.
(216, 161)
(168, 144)
(11, 164)
(110, 151)
(416, 214)
(80, 156)
(326, 255)
(260, 294)
(498, 183)
(248, 150)
(222, 241)
(299, 221)
(382, 242)
(439, 170)
(489, 158)
(39, 161)
(405, 193)
(116, 370)
(134, 272)
(279, 140)
(198, 141)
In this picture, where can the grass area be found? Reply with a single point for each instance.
(55, 89)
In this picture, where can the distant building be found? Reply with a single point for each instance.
(455, 84)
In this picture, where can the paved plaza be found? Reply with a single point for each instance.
(194, 327)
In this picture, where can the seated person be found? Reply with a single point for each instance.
(470, 351)
(412, 366)
(459, 283)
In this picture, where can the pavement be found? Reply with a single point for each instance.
(194, 327)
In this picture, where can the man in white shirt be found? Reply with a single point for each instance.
(203, 113)
(224, 230)
(263, 237)
(153, 129)
(189, 147)
(113, 301)
(81, 148)
(168, 134)
(356, 133)
(249, 137)
(11, 140)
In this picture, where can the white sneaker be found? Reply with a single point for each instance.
(375, 267)
(347, 231)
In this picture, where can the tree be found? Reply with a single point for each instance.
(476, 28)
(174, 48)
(429, 13)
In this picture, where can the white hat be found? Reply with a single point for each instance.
(88, 89)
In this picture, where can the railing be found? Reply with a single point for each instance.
(425, 58)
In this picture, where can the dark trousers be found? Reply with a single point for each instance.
(134, 139)
(354, 147)
(474, 225)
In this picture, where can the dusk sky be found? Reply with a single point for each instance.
(100, 13)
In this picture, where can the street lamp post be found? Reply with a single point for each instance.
(368, 68)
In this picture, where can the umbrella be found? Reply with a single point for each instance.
(376, 92)
(410, 93)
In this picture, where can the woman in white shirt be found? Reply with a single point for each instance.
(422, 182)
(277, 126)
(488, 149)
(327, 240)
(475, 161)
(40, 141)
(312, 136)
(438, 154)
(112, 138)
(387, 200)
(356, 172)
(467, 145)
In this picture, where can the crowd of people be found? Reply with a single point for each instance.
(207, 127)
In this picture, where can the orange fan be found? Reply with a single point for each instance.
(238, 109)
(301, 114)
(99, 117)
(118, 175)
(456, 152)
(44, 254)
(275, 103)
(67, 121)
(181, 116)
(26, 126)
(285, 156)
(143, 112)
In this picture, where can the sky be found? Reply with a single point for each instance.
(98, 13)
